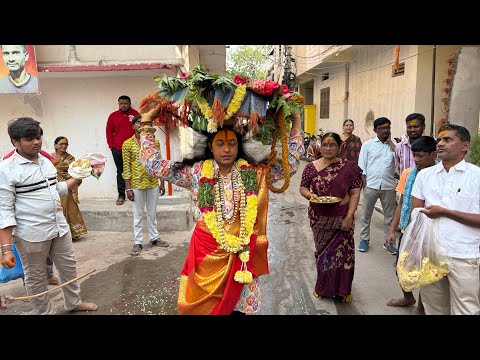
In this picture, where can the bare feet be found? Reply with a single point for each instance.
(85, 307)
(401, 302)
(419, 310)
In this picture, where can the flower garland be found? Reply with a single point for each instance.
(210, 206)
(232, 108)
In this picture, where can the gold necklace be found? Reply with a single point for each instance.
(221, 193)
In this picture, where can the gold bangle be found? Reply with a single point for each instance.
(350, 213)
(6, 252)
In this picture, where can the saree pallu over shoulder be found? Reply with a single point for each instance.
(260, 259)
(335, 180)
(70, 201)
(62, 167)
(207, 284)
(350, 148)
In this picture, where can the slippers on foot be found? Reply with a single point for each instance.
(136, 250)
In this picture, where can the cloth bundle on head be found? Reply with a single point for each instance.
(192, 143)
(259, 152)
(254, 108)
(264, 87)
(221, 100)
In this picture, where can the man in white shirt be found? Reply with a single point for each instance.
(377, 161)
(30, 210)
(450, 191)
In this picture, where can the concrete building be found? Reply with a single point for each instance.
(80, 85)
(358, 82)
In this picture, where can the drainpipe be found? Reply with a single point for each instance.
(432, 118)
(345, 101)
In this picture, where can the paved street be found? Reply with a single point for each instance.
(148, 284)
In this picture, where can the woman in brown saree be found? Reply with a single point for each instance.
(332, 223)
(351, 144)
(62, 159)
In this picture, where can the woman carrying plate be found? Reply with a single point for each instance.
(332, 220)
(62, 160)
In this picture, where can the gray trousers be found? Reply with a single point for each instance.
(145, 198)
(34, 256)
(389, 203)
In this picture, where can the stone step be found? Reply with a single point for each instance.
(174, 213)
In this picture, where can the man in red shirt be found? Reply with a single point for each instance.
(119, 129)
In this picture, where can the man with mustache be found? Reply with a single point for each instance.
(450, 191)
(403, 151)
(377, 162)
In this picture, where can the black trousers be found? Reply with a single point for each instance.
(117, 157)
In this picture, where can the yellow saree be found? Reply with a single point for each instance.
(70, 201)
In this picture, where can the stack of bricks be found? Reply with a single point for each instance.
(447, 90)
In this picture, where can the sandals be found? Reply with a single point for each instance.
(344, 299)
(136, 250)
(120, 201)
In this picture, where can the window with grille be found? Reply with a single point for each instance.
(325, 103)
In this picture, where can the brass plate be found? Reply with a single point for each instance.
(326, 200)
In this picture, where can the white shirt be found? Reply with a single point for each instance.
(377, 160)
(458, 189)
(29, 199)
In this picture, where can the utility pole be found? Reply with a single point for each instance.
(288, 75)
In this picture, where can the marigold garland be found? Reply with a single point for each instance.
(232, 108)
(248, 213)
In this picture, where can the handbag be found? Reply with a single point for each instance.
(15, 272)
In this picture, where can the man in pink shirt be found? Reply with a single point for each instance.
(119, 129)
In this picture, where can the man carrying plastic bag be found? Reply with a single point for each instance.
(422, 258)
(450, 192)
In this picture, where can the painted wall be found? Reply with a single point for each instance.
(108, 54)
(336, 82)
(375, 93)
(423, 94)
(78, 108)
(465, 100)
(77, 104)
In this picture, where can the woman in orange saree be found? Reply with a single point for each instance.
(62, 159)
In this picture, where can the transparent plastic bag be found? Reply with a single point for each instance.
(89, 164)
(422, 259)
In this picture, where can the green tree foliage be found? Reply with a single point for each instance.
(475, 150)
(249, 61)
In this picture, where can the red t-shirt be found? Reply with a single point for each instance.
(119, 128)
